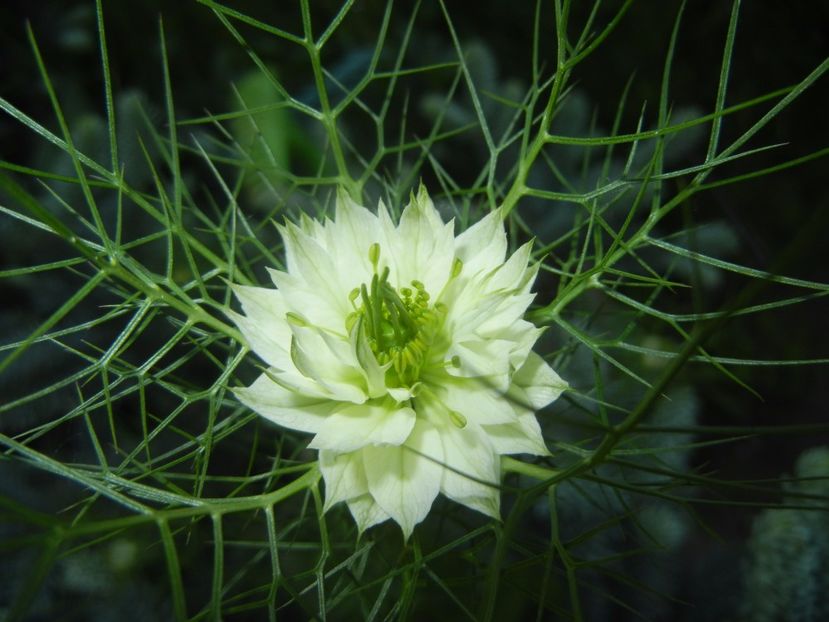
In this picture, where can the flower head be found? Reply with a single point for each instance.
(402, 349)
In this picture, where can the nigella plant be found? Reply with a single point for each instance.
(375, 412)
(403, 350)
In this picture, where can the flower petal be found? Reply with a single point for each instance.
(522, 437)
(489, 358)
(344, 475)
(287, 408)
(402, 481)
(356, 426)
(263, 326)
(314, 304)
(476, 400)
(374, 373)
(329, 361)
(366, 512)
(422, 247)
(349, 238)
(483, 246)
(514, 274)
(536, 384)
(472, 470)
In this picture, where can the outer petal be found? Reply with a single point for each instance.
(372, 423)
(348, 241)
(422, 246)
(313, 303)
(366, 512)
(489, 358)
(402, 481)
(483, 246)
(374, 373)
(287, 408)
(329, 361)
(472, 469)
(513, 275)
(475, 399)
(264, 326)
(522, 437)
(509, 311)
(344, 476)
(535, 384)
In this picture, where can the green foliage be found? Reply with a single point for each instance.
(125, 455)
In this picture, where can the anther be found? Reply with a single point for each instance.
(296, 319)
(374, 254)
(457, 419)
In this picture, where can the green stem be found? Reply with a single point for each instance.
(536, 471)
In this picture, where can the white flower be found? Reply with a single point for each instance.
(403, 350)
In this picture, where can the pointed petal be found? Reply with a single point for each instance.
(355, 230)
(506, 313)
(472, 472)
(476, 400)
(366, 512)
(536, 384)
(329, 361)
(513, 274)
(314, 304)
(422, 246)
(374, 373)
(403, 482)
(286, 408)
(266, 344)
(521, 437)
(488, 358)
(344, 477)
(356, 426)
(263, 325)
(483, 246)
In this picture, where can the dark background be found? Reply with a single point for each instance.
(780, 217)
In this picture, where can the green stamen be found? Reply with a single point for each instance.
(457, 419)
(399, 330)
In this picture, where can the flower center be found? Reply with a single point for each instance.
(399, 326)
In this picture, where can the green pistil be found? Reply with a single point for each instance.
(399, 327)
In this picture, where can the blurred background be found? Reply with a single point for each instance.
(717, 572)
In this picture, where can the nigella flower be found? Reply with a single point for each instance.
(402, 349)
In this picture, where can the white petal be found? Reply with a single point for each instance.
(287, 408)
(476, 400)
(522, 437)
(263, 325)
(536, 384)
(483, 246)
(403, 482)
(374, 373)
(489, 358)
(472, 470)
(265, 339)
(308, 260)
(422, 246)
(349, 240)
(372, 423)
(514, 274)
(329, 361)
(366, 512)
(315, 304)
(506, 313)
(403, 394)
(344, 476)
